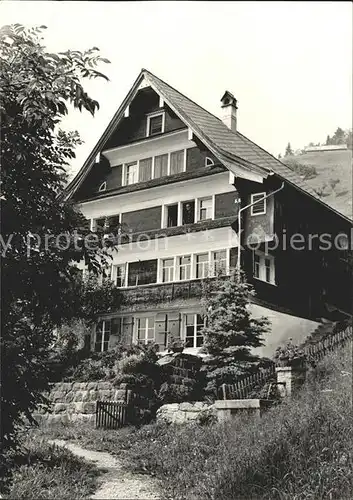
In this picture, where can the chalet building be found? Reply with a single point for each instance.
(176, 181)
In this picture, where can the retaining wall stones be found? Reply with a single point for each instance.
(179, 413)
(76, 401)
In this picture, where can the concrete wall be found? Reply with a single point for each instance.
(283, 327)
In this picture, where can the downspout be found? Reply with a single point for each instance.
(239, 218)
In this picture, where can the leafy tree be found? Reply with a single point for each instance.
(39, 242)
(328, 141)
(289, 150)
(231, 332)
(339, 137)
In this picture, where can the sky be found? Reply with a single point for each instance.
(289, 64)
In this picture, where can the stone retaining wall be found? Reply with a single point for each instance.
(178, 413)
(76, 401)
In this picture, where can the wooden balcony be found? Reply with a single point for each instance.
(161, 292)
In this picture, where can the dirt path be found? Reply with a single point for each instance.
(116, 483)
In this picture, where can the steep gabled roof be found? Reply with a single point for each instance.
(225, 140)
(233, 149)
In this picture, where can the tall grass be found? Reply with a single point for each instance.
(299, 450)
(302, 449)
(50, 472)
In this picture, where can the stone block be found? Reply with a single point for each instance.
(119, 395)
(187, 407)
(70, 397)
(105, 394)
(77, 407)
(92, 386)
(60, 407)
(57, 396)
(93, 395)
(81, 396)
(66, 386)
(104, 385)
(89, 407)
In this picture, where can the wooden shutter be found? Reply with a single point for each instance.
(116, 332)
(174, 325)
(127, 329)
(160, 330)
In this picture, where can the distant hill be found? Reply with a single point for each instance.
(330, 166)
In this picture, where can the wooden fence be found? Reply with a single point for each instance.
(316, 351)
(113, 415)
(245, 385)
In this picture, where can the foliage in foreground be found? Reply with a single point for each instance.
(300, 449)
(38, 229)
(50, 472)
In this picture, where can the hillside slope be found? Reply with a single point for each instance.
(330, 165)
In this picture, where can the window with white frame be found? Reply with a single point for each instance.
(208, 161)
(259, 206)
(118, 275)
(219, 262)
(177, 162)
(205, 208)
(167, 270)
(131, 173)
(264, 267)
(171, 214)
(145, 329)
(184, 267)
(155, 124)
(103, 330)
(202, 265)
(192, 326)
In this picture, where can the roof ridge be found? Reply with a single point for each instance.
(185, 96)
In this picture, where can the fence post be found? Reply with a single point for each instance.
(224, 393)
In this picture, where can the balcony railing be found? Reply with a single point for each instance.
(161, 292)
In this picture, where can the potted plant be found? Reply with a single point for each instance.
(290, 355)
(175, 344)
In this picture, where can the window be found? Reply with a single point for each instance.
(193, 324)
(103, 186)
(205, 209)
(131, 173)
(264, 267)
(155, 124)
(172, 215)
(202, 265)
(142, 272)
(107, 224)
(260, 206)
(118, 275)
(188, 212)
(176, 162)
(184, 267)
(160, 166)
(208, 162)
(145, 169)
(145, 330)
(219, 263)
(102, 336)
(167, 270)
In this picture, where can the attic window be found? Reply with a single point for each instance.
(208, 161)
(259, 204)
(103, 186)
(155, 124)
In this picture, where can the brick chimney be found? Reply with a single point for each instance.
(229, 110)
